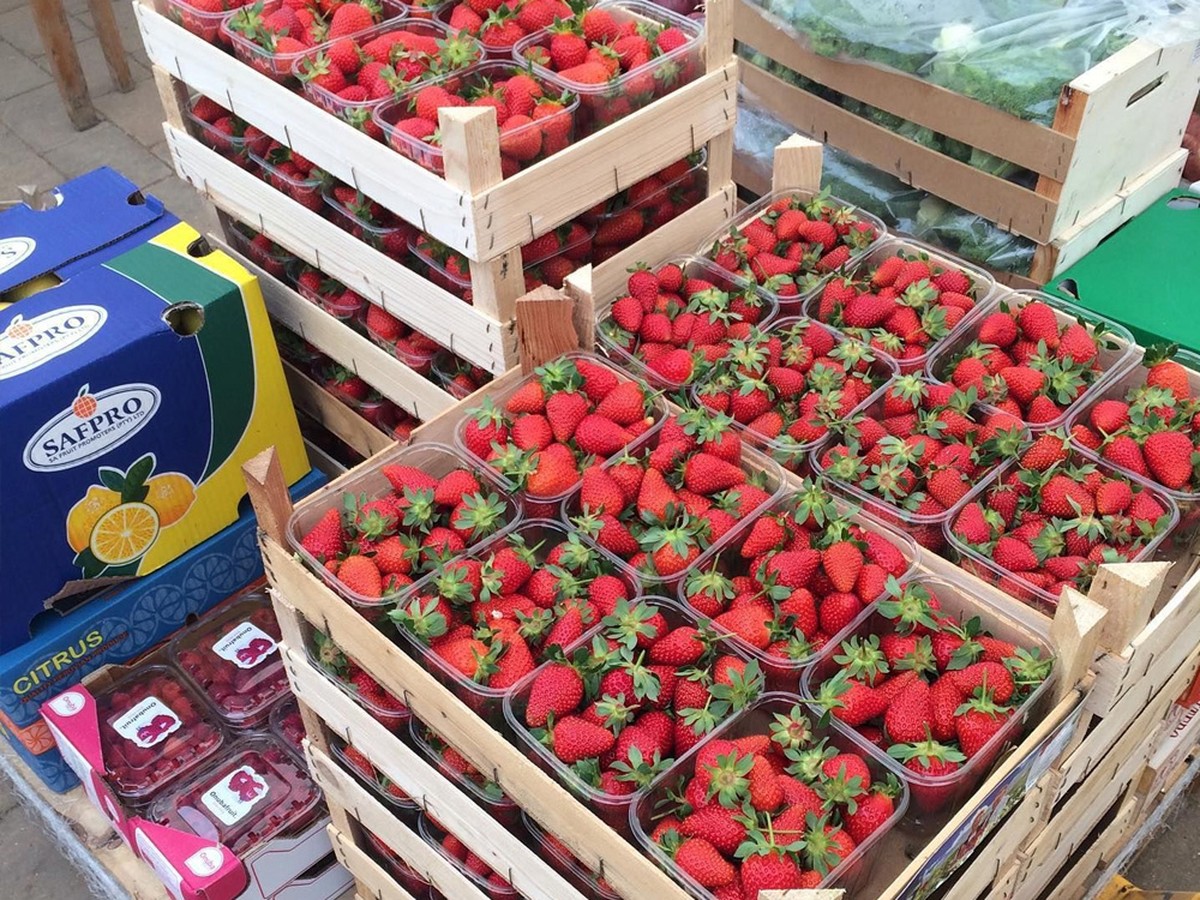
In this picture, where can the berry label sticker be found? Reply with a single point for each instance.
(245, 646)
(231, 798)
(148, 723)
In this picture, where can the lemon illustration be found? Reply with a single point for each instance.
(87, 512)
(172, 495)
(124, 533)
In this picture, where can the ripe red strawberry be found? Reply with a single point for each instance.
(703, 862)
(908, 715)
(842, 562)
(1169, 457)
(871, 814)
(575, 739)
(979, 719)
(361, 576)
(929, 759)
(325, 540)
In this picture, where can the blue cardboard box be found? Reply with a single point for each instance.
(94, 217)
(116, 627)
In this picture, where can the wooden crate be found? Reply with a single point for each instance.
(471, 209)
(1083, 160)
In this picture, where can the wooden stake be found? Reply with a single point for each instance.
(1075, 636)
(545, 327)
(269, 494)
(1128, 592)
(578, 286)
(798, 164)
(55, 31)
(105, 21)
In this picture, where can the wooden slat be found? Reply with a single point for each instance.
(1028, 144)
(374, 882)
(316, 240)
(597, 846)
(412, 392)
(457, 813)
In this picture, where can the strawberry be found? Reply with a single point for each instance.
(361, 576)
(931, 760)
(1169, 457)
(703, 862)
(325, 540)
(979, 719)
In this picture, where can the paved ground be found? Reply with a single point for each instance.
(39, 147)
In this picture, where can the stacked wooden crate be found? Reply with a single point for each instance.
(472, 209)
(1112, 149)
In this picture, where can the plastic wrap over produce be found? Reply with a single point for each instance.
(901, 206)
(1014, 55)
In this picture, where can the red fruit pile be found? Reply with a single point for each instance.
(679, 320)
(794, 578)
(1023, 360)
(203, 17)
(375, 547)
(493, 616)
(919, 449)
(535, 119)
(226, 133)
(458, 769)
(499, 24)
(465, 860)
(381, 63)
(616, 63)
(234, 660)
(573, 413)
(458, 377)
(646, 689)
(272, 257)
(791, 245)
(930, 689)
(788, 384)
(153, 730)
(771, 805)
(408, 345)
(646, 205)
(902, 305)
(1050, 519)
(343, 384)
(1149, 429)
(291, 174)
(330, 294)
(549, 259)
(271, 35)
(444, 266)
(267, 790)
(380, 783)
(660, 506)
(362, 217)
(408, 877)
(383, 707)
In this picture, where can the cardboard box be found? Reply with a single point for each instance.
(1162, 240)
(131, 394)
(78, 224)
(115, 627)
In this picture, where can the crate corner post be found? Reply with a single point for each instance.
(797, 164)
(547, 326)
(1128, 592)
(1075, 633)
(268, 493)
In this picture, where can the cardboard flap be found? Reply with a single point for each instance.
(191, 867)
(93, 211)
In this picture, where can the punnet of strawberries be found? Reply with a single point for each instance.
(234, 659)
(555, 851)
(203, 17)
(501, 24)
(406, 876)
(549, 259)
(1032, 356)
(1047, 520)
(674, 323)
(789, 243)
(154, 730)
(794, 577)
(411, 347)
(471, 781)
(458, 377)
(490, 617)
(899, 301)
(371, 545)
(535, 119)
(617, 57)
(351, 677)
(355, 760)
(646, 205)
(287, 725)
(1146, 422)
(491, 883)
(229, 135)
(367, 220)
(776, 800)
(571, 414)
(291, 174)
(610, 713)
(350, 73)
(788, 383)
(924, 679)
(272, 257)
(916, 451)
(270, 35)
(663, 503)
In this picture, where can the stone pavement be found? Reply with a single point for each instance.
(38, 145)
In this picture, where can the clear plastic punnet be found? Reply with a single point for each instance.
(493, 886)
(560, 857)
(234, 659)
(936, 794)
(470, 781)
(1116, 348)
(287, 725)
(256, 790)
(799, 285)
(852, 873)
(433, 459)
(603, 104)
(155, 729)
(404, 806)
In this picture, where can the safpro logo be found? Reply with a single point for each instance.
(91, 426)
(26, 344)
(14, 251)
